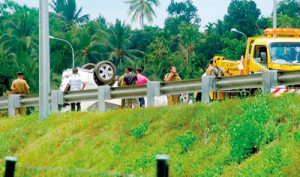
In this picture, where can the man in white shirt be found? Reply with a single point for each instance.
(75, 84)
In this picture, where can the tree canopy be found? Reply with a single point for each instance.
(179, 42)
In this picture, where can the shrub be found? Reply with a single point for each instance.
(186, 140)
(250, 129)
(139, 131)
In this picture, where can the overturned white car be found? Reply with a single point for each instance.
(104, 73)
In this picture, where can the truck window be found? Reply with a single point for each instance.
(257, 54)
(285, 52)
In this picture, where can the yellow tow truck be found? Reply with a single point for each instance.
(278, 50)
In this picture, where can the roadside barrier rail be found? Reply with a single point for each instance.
(239, 82)
(264, 80)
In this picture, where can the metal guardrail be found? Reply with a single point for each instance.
(239, 82)
(4, 102)
(265, 80)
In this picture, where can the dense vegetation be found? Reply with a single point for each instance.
(179, 42)
(259, 136)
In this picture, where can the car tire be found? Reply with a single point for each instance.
(105, 72)
(88, 66)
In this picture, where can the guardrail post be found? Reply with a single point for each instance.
(162, 165)
(10, 166)
(208, 84)
(13, 103)
(57, 98)
(103, 94)
(269, 81)
(153, 89)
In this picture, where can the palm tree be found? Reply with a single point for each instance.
(20, 35)
(141, 9)
(117, 49)
(67, 11)
(19, 46)
(88, 40)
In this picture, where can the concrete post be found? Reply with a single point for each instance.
(103, 94)
(269, 81)
(208, 84)
(153, 89)
(10, 166)
(13, 102)
(162, 165)
(56, 100)
(44, 60)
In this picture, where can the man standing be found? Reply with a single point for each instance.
(120, 84)
(210, 68)
(130, 79)
(170, 77)
(141, 80)
(75, 83)
(20, 86)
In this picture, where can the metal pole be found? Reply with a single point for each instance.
(44, 60)
(235, 30)
(73, 55)
(274, 14)
(162, 165)
(10, 166)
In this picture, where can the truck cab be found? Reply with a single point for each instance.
(278, 50)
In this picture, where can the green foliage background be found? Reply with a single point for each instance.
(180, 42)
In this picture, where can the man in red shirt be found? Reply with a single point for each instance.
(141, 80)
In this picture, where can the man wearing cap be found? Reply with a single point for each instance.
(75, 83)
(20, 86)
(171, 77)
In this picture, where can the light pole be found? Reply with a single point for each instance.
(73, 64)
(274, 14)
(236, 31)
(44, 60)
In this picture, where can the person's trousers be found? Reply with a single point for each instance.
(131, 103)
(75, 104)
(20, 111)
(173, 99)
(142, 102)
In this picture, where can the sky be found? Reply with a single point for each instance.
(208, 10)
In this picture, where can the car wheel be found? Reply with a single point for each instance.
(105, 72)
(88, 66)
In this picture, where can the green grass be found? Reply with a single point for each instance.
(258, 136)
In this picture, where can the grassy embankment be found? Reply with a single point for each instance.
(251, 137)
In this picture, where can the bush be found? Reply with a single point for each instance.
(186, 140)
(139, 131)
(251, 129)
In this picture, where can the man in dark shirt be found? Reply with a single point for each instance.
(129, 80)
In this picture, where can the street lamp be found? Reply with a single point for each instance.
(236, 31)
(51, 37)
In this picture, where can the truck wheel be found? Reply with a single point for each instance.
(105, 72)
(88, 66)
